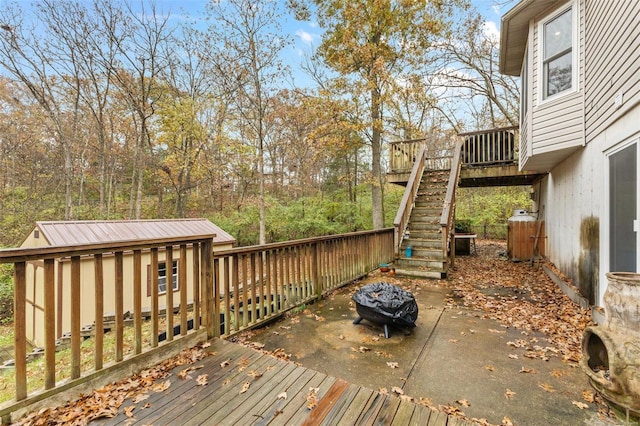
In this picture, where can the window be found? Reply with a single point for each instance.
(162, 276)
(558, 53)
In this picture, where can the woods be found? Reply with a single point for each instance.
(124, 110)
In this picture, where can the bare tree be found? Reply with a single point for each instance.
(246, 41)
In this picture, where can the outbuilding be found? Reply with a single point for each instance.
(46, 234)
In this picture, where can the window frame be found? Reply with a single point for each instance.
(162, 265)
(542, 61)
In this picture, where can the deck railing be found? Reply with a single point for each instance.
(401, 220)
(229, 291)
(449, 210)
(481, 148)
(403, 154)
(490, 147)
(259, 282)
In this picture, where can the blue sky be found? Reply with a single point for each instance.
(306, 35)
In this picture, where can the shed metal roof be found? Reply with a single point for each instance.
(103, 231)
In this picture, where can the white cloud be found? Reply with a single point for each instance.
(305, 36)
(491, 31)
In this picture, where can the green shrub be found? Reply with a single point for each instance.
(6, 294)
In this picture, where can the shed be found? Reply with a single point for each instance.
(67, 233)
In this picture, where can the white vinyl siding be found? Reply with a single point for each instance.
(612, 55)
(557, 123)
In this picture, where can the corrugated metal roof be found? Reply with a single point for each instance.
(103, 231)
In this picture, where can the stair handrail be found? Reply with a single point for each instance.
(406, 205)
(449, 208)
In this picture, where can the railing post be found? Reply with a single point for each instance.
(49, 325)
(207, 282)
(20, 331)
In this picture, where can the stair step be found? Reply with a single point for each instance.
(417, 263)
(415, 243)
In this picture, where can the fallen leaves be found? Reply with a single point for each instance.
(509, 394)
(312, 398)
(546, 387)
(107, 401)
(245, 387)
(580, 405)
(202, 380)
(392, 364)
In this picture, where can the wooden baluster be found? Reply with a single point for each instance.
(75, 317)
(49, 324)
(227, 295)
(119, 300)
(252, 277)
(246, 307)
(98, 351)
(155, 309)
(20, 328)
(195, 252)
(236, 292)
(182, 285)
(137, 300)
(169, 292)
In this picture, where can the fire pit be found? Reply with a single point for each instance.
(611, 351)
(386, 304)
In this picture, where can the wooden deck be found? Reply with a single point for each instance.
(280, 396)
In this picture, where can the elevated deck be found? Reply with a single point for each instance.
(489, 158)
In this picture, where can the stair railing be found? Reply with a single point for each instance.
(401, 220)
(449, 208)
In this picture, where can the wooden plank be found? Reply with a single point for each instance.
(295, 410)
(137, 300)
(19, 330)
(267, 396)
(182, 285)
(438, 419)
(243, 406)
(119, 305)
(197, 315)
(168, 267)
(370, 413)
(342, 405)
(275, 409)
(49, 324)
(181, 392)
(98, 346)
(155, 309)
(327, 403)
(387, 411)
(214, 399)
(421, 415)
(404, 413)
(302, 411)
(75, 318)
(356, 406)
(184, 399)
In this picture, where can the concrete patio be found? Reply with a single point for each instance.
(457, 359)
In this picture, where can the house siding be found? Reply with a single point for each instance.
(612, 51)
(556, 124)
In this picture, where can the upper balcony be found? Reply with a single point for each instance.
(489, 158)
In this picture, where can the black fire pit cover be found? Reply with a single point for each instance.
(385, 304)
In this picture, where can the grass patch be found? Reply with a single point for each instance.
(6, 335)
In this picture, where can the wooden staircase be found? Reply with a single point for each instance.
(424, 233)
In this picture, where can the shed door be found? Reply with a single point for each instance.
(623, 199)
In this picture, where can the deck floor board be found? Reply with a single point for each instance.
(279, 396)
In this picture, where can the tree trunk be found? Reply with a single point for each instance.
(376, 173)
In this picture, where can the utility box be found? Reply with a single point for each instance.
(522, 233)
